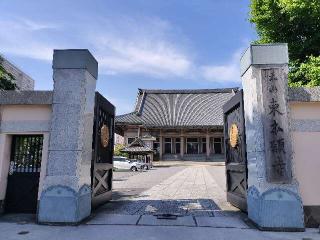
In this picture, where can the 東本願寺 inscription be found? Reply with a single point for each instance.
(276, 130)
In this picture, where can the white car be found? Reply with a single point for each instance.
(125, 163)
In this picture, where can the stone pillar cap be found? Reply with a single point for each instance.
(261, 54)
(75, 59)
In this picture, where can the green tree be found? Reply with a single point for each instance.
(117, 150)
(7, 80)
(306, 73)
(296, 22)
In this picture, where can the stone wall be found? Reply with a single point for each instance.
(305, 126)
(22, 113)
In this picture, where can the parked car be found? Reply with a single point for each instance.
(125, 163)
(143, 164)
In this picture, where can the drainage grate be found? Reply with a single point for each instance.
(167, 216)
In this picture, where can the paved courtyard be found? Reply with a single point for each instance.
(193, 189)
(195, 193)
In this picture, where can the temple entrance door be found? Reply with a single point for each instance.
(235, 151)
(217, 144)
(103, 142)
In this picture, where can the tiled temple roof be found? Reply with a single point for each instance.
(178, 108)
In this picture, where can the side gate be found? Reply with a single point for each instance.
(24, 174)
(235, 151)
(103, 142)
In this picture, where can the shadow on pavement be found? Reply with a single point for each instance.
(182, 207)
(19, 218)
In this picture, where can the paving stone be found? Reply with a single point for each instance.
(114, 219)
(184, 191)
(221, 222)
(226, 213)
(154, 221)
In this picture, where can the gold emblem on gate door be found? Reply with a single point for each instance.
(104, 136)
(234, 134)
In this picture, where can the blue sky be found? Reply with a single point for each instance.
(153, 44)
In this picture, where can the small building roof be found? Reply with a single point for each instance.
(137, 147)
(178, 108)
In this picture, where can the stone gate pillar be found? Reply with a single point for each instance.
(66, 195)
(273, 197)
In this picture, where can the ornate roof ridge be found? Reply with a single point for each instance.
(190, 91)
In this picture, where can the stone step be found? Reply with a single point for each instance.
(193, 157)
(151, 220)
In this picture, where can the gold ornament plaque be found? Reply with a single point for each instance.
(234, 134)
(104, 136)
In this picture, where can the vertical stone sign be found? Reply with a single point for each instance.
(273, 198)
(276, 130)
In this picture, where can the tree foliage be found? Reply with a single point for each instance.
(296, 22)
(117, 150)
(306, 73)
(7, 80)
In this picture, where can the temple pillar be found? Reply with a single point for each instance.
(161, 145)
(182, 150)
(208, 144)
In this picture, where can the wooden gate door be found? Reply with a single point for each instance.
(103, 142)
(24, 173)
(235, 151)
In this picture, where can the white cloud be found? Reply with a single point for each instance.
(29, 24)
(139, 46)
(135, 57)
(121, 44)
(229, 72)
(22, 37)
